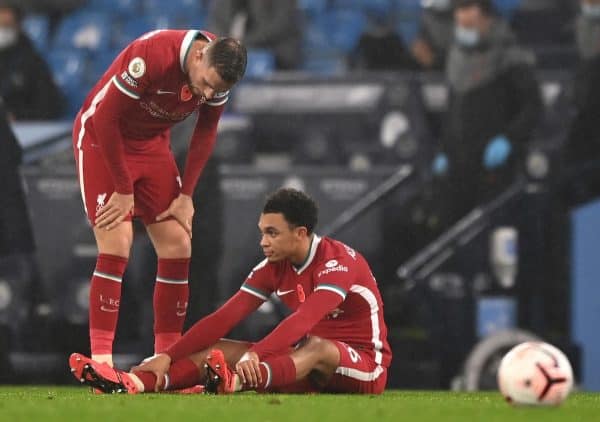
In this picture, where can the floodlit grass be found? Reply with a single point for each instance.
(51, 403)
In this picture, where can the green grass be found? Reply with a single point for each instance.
(51, 403)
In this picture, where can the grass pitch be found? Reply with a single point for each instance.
(51, 403)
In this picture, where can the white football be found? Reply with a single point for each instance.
(535, 373)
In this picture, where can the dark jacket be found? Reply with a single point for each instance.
(15, 229)
(584, 136)
(26, 83)
(493, 91)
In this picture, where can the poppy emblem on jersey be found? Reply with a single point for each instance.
(186, 93)
(137, 67)
(331, 264)
(301, 295)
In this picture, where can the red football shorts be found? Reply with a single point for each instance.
(156, 180)
(357, 372)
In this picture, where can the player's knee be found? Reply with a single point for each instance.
(117, 244)
(176, 247)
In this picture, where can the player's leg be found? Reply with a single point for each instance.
(113, 246)
(105, 288)
(173, 248)
(304, 369)
(183, 373)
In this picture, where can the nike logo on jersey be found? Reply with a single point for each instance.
(180, 313)
(283, 292)
(162, 92)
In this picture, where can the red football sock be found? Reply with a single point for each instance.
(105, 297)
(277, 371)
(182, 374)
(170, 301)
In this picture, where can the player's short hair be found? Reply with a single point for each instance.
(486, 6)
(298, 209)
(229, 57)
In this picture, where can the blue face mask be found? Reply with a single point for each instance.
(590, 10)
(466, 37)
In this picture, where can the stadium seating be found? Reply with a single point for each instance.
(69, 67)
(37, 28)
(260, 63)
(85, 30)
(121, 8)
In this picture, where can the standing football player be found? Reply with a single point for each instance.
(126, 167)
(335, 340)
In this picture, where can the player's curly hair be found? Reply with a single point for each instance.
(298, 209)
(229, 57)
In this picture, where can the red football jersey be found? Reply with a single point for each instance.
(333, 266)
(148, 83)
(151, 71)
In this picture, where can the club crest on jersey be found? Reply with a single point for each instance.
(186, 93)
(100, 201)
(137, 67)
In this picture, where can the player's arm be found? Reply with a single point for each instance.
(299, 323)
(213, 327)
(253, 293)
(202, 143)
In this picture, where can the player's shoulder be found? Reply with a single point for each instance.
(265, 267)
(334, 249)
(335, 257)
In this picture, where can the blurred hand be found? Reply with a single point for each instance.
(439, 166)
(497, 152)
(248, 369)
(423, 53)
(159, 365)
(182, 210)
(116, 209)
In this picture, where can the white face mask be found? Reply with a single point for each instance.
(466, 37)
(8, 37)
(590, 10)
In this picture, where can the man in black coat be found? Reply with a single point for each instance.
(582, 153)
(16, 236)
(494, 108)
(26, 83)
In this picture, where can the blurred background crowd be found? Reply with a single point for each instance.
(455, 143)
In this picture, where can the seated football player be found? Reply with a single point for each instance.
(335, 339)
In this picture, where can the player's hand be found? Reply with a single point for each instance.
(159, 365)
(248, 370)
(182, 210)
(114, 212)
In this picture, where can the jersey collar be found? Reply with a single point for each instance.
(314, 244)
(188, 39)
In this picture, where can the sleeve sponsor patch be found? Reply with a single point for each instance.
(137, 67)
(129, 80)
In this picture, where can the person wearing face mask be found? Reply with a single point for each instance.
(435, 34)
(494, 107)
(26, 83)
(582, 152)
